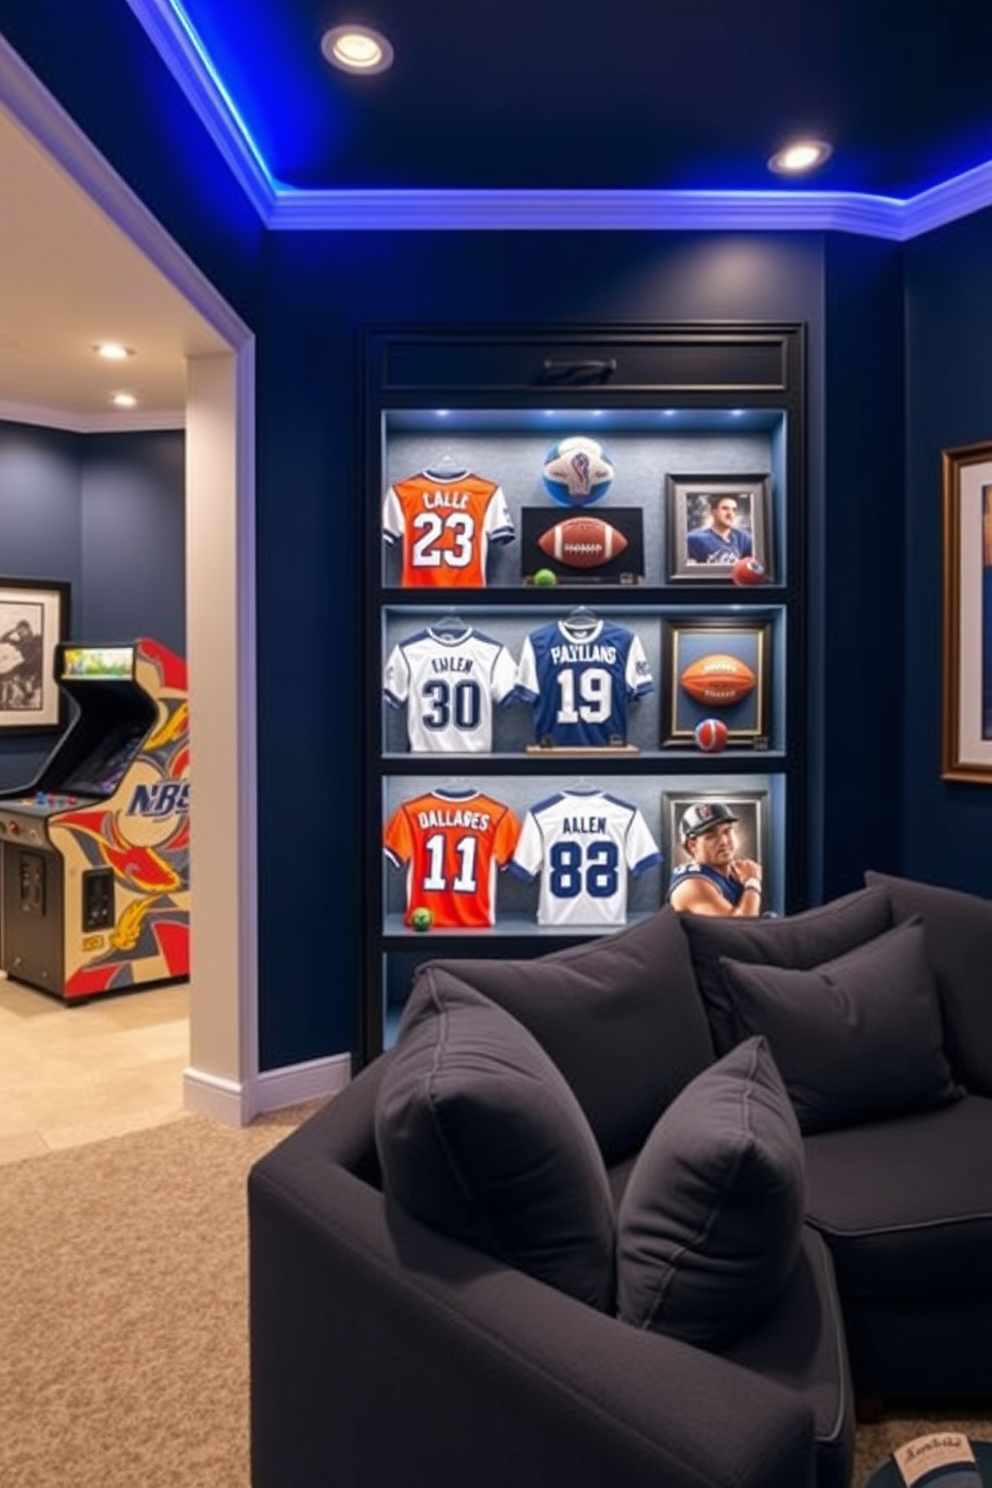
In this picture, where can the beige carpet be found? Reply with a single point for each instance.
(123, 1314)
(123, 1309)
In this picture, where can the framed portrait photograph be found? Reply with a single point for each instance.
(716, 668)
(966, 732)
(751, 829)
(712, 520)
(34, 618)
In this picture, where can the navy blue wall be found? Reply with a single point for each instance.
(106, 513)
(133, 503)
(948, 290)
(855, 573)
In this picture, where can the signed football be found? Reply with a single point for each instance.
(718, 680)
(582, 542)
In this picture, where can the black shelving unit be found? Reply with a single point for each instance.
(672, 405)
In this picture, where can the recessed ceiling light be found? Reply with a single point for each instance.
(804, 155)
(357, 49)
(124, 400)
(113, 351)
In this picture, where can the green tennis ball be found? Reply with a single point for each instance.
(421, 919)
(545, 577)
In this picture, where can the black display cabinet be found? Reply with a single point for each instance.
(599, 457)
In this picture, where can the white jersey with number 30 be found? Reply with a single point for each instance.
(449, 684)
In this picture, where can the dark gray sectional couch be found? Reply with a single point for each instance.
(646, 1212)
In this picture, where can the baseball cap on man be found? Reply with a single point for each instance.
(702, 816)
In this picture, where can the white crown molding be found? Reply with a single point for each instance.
(949, 202)
(611, 211)
(131, 421)
(191, 69)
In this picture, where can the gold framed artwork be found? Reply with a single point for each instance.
(966, 721)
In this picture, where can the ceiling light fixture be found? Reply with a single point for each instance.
(124, 400)
(113, 351)
(804, 155)
(357, 49)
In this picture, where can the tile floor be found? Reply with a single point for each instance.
(75, 1074)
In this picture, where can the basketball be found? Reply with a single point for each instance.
(711, 735)
(578, 471)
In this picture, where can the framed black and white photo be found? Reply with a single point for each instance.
(34, 618)
(716, 668)
(712, 521)
(751, 830)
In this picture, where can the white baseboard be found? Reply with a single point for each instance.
(236, 1104)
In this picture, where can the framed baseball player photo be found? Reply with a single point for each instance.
(714, 522)
(966, 734)
(716, 669)
(34, 618)
(746, 811)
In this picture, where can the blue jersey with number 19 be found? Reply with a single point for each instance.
(584, 844)
(579, 677)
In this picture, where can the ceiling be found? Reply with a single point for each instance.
(632, 95)
(71, 279)
(536, 96)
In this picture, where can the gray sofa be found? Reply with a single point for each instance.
(646, 1212)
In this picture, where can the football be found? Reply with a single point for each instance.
(711, 735)
(747, 571)
(582, 542)
(718, 680)
(578, 471)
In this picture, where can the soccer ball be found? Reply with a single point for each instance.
(578, 471)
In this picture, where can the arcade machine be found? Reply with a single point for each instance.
(94, 859)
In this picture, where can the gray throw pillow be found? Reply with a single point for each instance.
(708, 1229)
(957, 928)
(800, 940)
(620, 1016)
(856, 1039)
(480, 1138)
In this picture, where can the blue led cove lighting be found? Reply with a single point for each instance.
(287, 208)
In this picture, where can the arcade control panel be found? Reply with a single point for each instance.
(23, 820)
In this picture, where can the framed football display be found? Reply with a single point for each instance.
(715, 520)
(716, 668)
(751, 829)
(34, 618)
(966, 735)
(583, 547)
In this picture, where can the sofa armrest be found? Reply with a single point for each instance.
(383, 1353)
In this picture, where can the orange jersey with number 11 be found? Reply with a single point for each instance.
(445, 524)
(452, 843)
